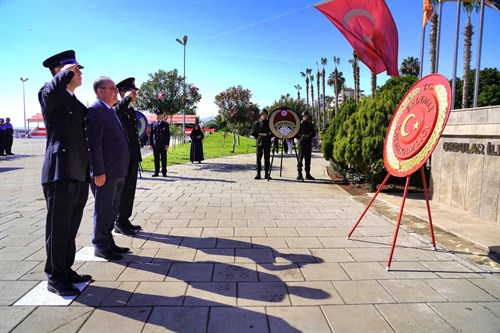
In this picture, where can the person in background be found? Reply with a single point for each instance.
(305, 135)
(196, 136)
(109, 165)
(159, 140)
(2, 137)
(65, 171)
(262, 132)
(9, 137)
(124, 110)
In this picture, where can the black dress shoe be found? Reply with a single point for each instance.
(121, 229)
(309, 177)
(164, 175)
(62, 288)
(154, 175)
(129, 225)
(120, 250)
(77, 278)
(108, 255)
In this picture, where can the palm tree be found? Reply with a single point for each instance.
(355, 73)
(374, 84)
(306, 75)
(312, 92)
(324, 62)
(337, 80)
(410, 66)
(433, 37)
(336, 61)
(469, 8)
(298, 87)
(318, 112)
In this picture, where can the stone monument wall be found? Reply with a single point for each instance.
(465, 166)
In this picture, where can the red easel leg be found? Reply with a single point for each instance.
(399, 221)
(369, 204)
(426, 193)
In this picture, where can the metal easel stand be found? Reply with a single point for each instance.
(405, 194)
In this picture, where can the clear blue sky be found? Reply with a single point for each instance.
(278, 40)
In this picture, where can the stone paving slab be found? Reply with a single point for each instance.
(221, 252)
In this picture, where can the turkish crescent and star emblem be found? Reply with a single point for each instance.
(416, 125)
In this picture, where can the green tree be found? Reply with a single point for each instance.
(296, 105)
(469, 8)
(306, 74)
(236, 109)
(312, 97)
(318, 112)
(355, 73)
(374, 84)
(298, 87)
(410, 66)
(489, 88)
(359, 140)
(433, 35)
(164, 91)
(324, 62)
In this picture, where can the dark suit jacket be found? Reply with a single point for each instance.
(66, 155)
(129, 121)
(160, 134)
(107, 142)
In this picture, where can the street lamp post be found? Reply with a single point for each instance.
(183, 42)
(24, 102)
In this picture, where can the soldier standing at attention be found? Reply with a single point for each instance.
(128, 94)
(159, 140)
(262, 132)
(305, 135)
(65, 171)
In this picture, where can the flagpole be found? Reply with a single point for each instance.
(478, 56)
(438, 37)
(455, 56)
(422, 52)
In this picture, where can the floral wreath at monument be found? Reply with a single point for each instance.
(284, 123)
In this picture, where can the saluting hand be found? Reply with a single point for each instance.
(100, 180)
(71, 67)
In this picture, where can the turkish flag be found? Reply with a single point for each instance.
(369, 27)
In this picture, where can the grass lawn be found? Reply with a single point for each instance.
(212, 148)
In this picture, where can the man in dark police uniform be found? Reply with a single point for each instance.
(128, 94)
(65, 171)
(305, 136)
(262, 132)
(159, 140)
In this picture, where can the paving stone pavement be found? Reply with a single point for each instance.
(220, 252)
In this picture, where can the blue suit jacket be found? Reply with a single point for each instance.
(66, 155)
(107, 142)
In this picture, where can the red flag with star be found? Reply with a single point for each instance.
(369, 27)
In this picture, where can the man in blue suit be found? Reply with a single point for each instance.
(109, 165)
(65, 170)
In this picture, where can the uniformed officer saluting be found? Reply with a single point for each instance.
(159, 140)
(262, 132)
(128, 94)
(65, 171)
(305, 136)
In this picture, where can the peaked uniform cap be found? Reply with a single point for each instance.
(127, 84)
(63, 58)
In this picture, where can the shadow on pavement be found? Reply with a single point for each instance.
(8, 169)
(225, 167)
(177, 318)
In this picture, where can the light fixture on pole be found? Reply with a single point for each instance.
(24, 102)
(183, 42)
